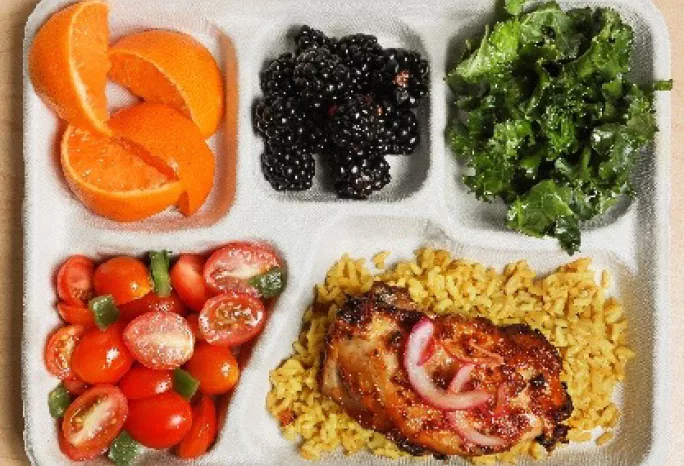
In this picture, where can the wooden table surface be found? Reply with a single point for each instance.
(13, 15)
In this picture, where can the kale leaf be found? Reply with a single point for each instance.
(553, 126)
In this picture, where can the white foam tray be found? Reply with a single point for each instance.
(425, 204)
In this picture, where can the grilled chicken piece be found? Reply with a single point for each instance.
(363, 370)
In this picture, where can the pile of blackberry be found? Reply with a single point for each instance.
(348, 100)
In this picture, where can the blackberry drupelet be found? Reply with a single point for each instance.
(404, 76)
(362, 54)
(309, 38)
(289, 168)
(403, 131)
(320, 77)
(357, 127)
(277, 78)
(358, 178)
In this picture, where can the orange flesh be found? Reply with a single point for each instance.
(109, 165)
(89, 43)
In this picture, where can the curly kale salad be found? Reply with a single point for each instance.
(550, 122)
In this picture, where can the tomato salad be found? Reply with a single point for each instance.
(147, 346)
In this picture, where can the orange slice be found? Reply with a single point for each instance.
(68, 64)
(171, 143)
(171, 68)
(112, 179)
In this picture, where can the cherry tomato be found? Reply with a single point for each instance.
(78, 454)
(78, 315)
(125, 278)
(95, 418)
(141, 382)
(215, 367)
(160, 340)
(151, 302)
(193, 323)
(60, 349)
(75, 281)
(102, 356)
(231, 319)
(75, 386)
(203, 431)
(188, 281)
(160, 421)
(229, 268)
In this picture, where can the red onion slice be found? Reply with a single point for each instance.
(501, 401)
(491, 359)
(461, 378)
(465, 429)
(422, 383)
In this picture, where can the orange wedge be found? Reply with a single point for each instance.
(68, 64)
(171, 143)
(111, 178)
(171, 68)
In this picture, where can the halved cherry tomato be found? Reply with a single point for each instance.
(229, 268)
(151, 302)
(215, 367)
(188, 281)
(60, 349)
(141, 382)
(231, 319)
(95, 418)
(102, 356)
(75, 281)
(160, 421)
(203, 431)
(160, 340)
(78, 315)
(75, 386)
(78, 454)
(193, 323)
(125, 278)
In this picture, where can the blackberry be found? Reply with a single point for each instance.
(320, 77)
(358, 178)
(281, 120)
(289, 168)
(403, 132)
(357, 127)
(404, 76)
(277, 78)
(309, 38)
(362, 54)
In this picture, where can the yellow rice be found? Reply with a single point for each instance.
(568, 306)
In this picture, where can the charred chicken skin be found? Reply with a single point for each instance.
(445, 385)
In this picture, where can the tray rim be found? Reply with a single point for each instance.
(662, 265)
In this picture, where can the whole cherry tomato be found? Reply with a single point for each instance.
(203, 431)
(215, 367)
(125, 278)
(78, 315)
(160, 421)
(60, 349)
(141, 382)
(102, 356)
(188, 281)
(75, 281)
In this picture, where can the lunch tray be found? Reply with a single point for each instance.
(426, 204)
